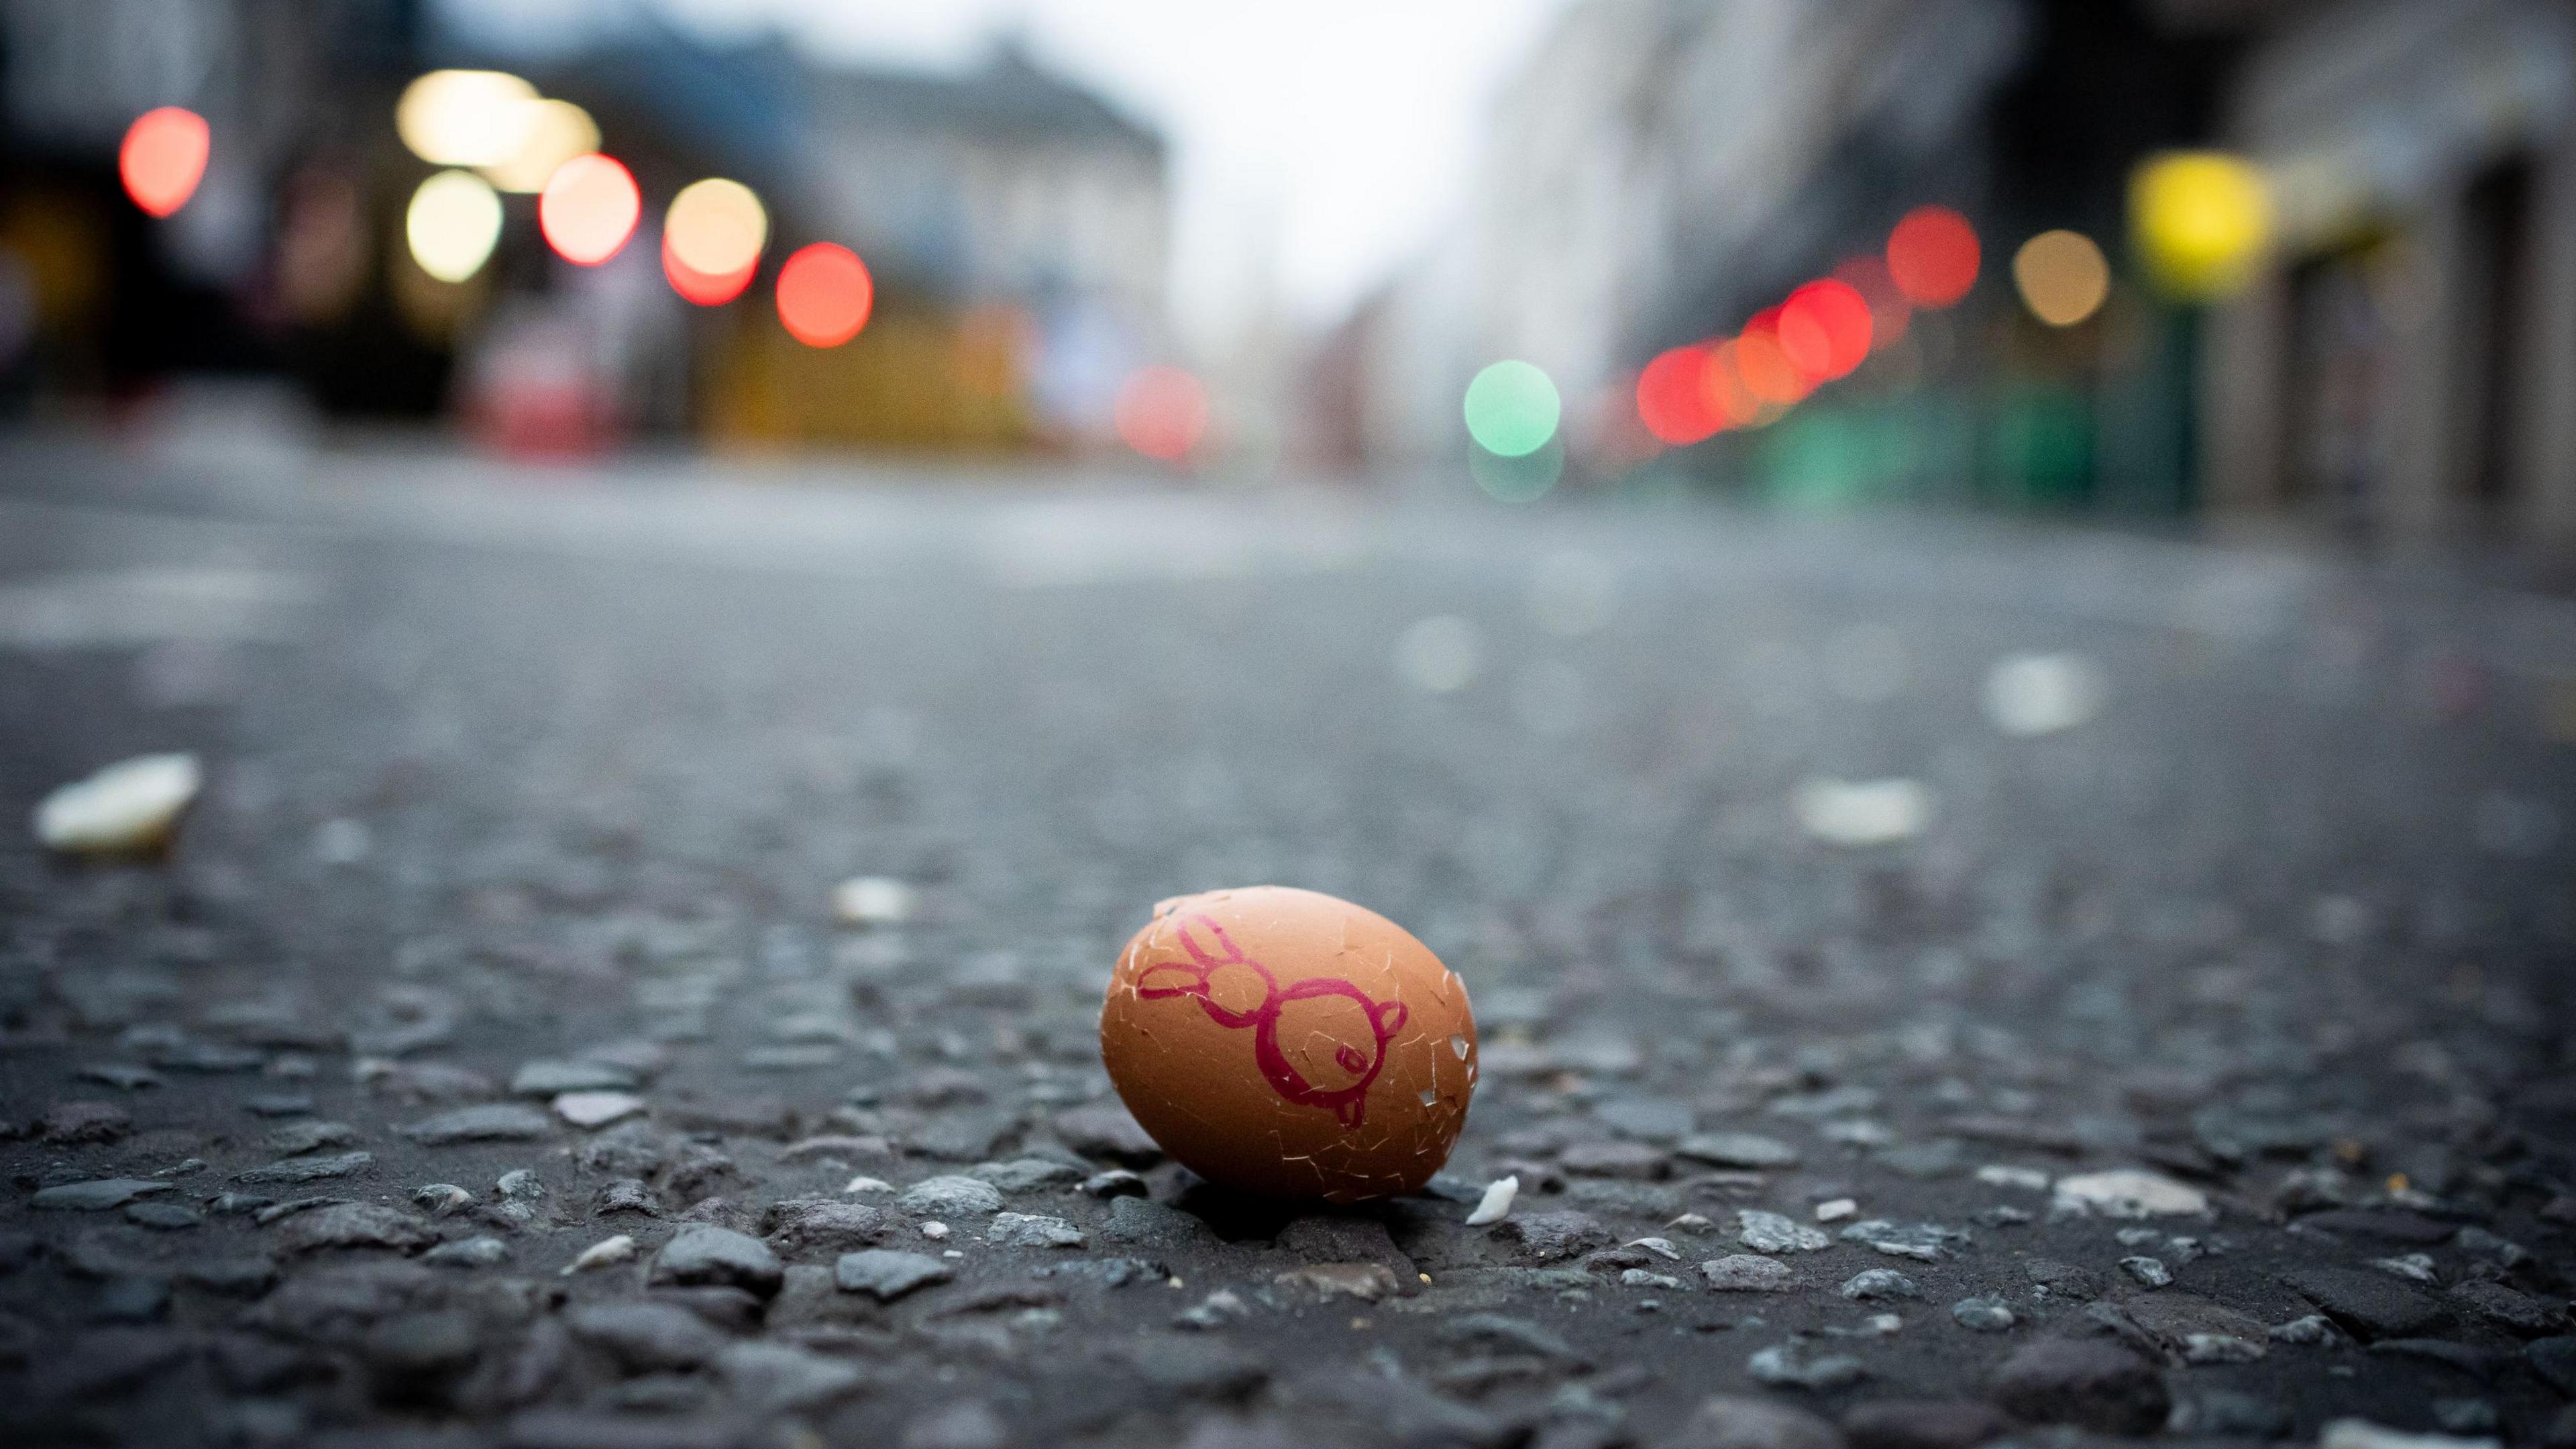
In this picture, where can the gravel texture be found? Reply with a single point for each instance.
(2196, 1066)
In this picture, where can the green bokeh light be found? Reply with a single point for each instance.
(1512, 409)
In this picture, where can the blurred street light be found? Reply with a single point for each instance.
(2201, 220)
(589, 209)
(2062, 277)
(1933, 256)
(824, 294)
(452, 224)
(1674, 398)
(1512, 408)
(716, 227)
(1162, 412)
(466, 117)
(1825, 329)
(711, 240)
(554, 132)
(1764, 366)
(163, 158)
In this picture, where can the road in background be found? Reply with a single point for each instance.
(1923, 863)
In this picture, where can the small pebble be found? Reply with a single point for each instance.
(873, 900)
(1496, 1205)
(129, 808)
(481, 1252)
(1984, 1315)
(1837, 1210)
(596, 1109)
(2148, 1271)
(601, 1254)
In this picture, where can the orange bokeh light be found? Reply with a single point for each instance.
(1673, 396)
(163, 158)
(1764, 366)
(1733, 402)
(1933, 255)
(1162, 412)
(707, 289)
(1889, 313)
(1825, 329)
(589, 209)
(824, 294)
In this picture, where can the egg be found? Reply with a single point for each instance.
(1291, 1044)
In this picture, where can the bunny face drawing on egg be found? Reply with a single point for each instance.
(1323, 1019)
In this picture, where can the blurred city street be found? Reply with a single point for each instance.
(592, 855)
(1908, 668)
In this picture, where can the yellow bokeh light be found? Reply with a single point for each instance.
(453, 222)
(2062, 277)
(716, 227)
(465, 117)
(2202, 219)
(555, 132)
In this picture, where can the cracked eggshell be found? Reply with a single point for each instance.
(1287, 1043)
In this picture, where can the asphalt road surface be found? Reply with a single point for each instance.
(1939, 980)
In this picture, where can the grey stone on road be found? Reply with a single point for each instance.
(720, 1257)
(1144, 1223)
(1924, 1424)
(2369, 1304)
(552, 1078)
(778, 1377)
(1768, 1232)
(1108, 1131)
(1739, 1149)
(2147, 1272)
(352, 1225)
(1551, 1236)
(821, 1227)
(1983, 1315)
(1733, 1421)
(1871, 1284)
(2087, 1382)
(951, 1197)
(2509, 1309)
(645, 1337)
(1800, 1365)
(295, 1171)
(1026, 1174)
(1032, 1230)
(1747, 1273)
(888, 1274)
(97, 1195)
(491, 1122)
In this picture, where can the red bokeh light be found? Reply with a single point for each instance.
(707, 289)
(1674, 399)
(163, 158)
(1889, 313)
(824, 295)
(1162, 412)
(1764, 365)
(589, 209)
(1825, 329)
(1733, 402)
(1933, 255)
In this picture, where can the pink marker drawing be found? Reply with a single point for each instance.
(1385, 1018)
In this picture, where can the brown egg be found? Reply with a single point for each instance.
(1282, 1042)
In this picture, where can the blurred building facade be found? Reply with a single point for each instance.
(1662, 169)
(1015, 226)
(1019, 227)
(2406, 361)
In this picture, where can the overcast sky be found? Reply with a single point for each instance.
(1317, 143)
